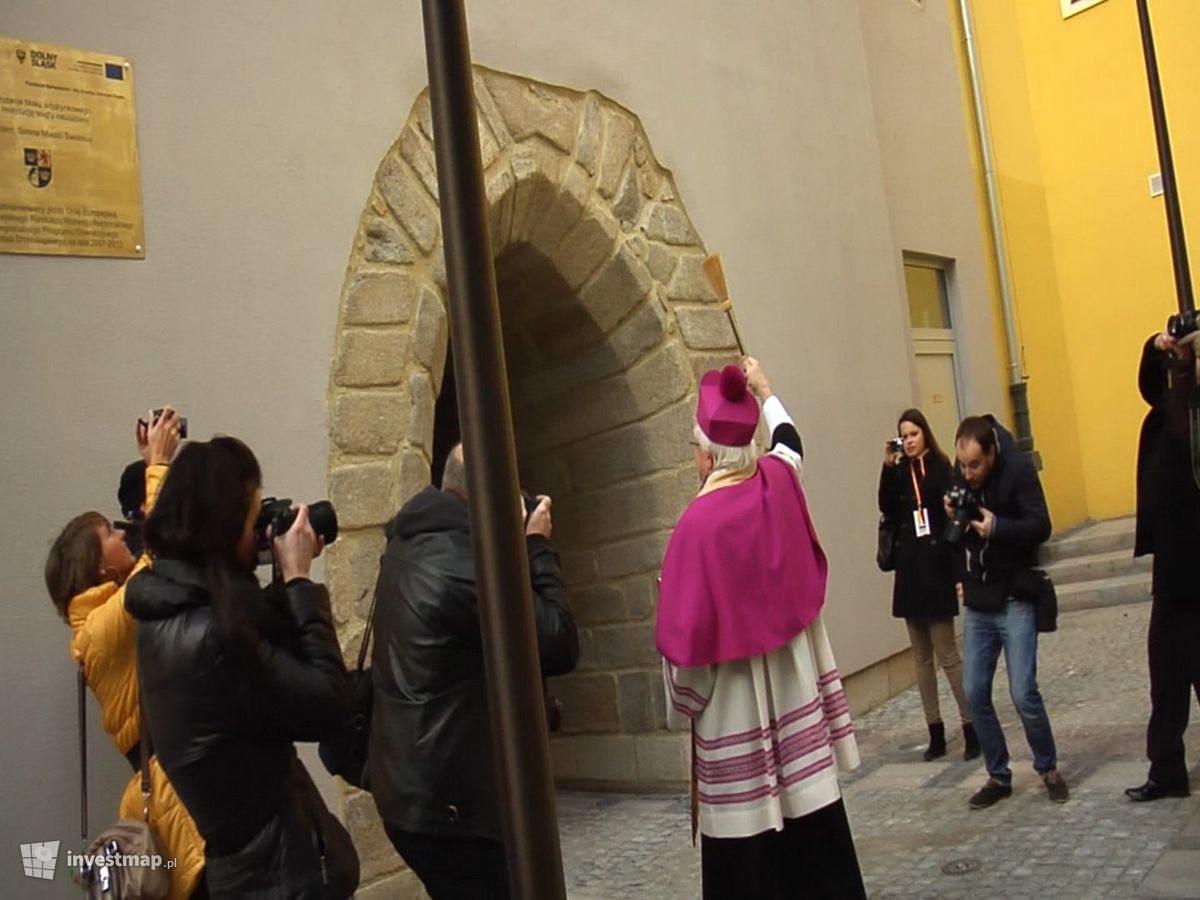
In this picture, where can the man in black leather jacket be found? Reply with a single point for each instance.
(1000, 552)
(430, 762)
(1168, 526)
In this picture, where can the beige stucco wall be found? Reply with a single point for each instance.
(924, 130)
(260, 129)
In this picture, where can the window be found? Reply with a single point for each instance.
(1070, 7)
(928, 299)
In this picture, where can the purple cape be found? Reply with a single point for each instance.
(743, 573)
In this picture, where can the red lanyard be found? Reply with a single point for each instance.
(916, 486)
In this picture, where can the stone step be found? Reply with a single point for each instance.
(1102, 537)
(1114, 591)
(1097, 566)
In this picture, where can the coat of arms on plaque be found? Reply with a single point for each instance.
(38, 163)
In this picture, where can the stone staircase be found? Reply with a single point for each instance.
(1093, 566)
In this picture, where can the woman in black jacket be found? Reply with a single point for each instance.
(911, 486)
(232, 674)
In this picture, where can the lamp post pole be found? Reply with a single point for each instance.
(520, 739)
(1179, 254)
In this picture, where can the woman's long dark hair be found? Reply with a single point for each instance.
(918, 418)
(200, 516)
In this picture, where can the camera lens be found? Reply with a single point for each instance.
(277, 516)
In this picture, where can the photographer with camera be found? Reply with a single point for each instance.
(1168, 526)
(233, 674)
(87, 571)
(998, 515)
(915, 475)
(131, 489)
(430, 761)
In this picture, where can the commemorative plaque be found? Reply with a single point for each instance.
(69, 173)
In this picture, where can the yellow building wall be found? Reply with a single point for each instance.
(1032, 265)
(1074, 144)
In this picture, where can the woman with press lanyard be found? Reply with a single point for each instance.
(915, 476)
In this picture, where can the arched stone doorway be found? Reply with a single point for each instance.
(608, 319)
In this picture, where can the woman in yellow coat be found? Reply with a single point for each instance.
(86, 573)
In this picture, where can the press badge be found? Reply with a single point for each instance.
(921, 522)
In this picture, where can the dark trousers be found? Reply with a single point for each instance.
(813, 857)
(454, 868)
(1174, 644)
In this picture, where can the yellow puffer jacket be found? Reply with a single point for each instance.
(103, 642)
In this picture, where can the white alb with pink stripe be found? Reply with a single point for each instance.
(771, 734)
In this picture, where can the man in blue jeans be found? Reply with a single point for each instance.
(1008, 521)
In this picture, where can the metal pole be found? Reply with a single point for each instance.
(518, 716)
(1166, 162)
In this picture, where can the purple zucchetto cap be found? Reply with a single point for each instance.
(727, 412)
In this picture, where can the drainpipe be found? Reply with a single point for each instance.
(1018, 387)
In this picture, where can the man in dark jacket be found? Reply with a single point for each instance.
(1168, 525)
(430, 761)
(1000, 552)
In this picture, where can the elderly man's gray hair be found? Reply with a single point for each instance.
(725, 458)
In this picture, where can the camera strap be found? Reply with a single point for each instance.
(368, 628)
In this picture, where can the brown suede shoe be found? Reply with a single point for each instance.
(1056, 787)
(992, 792)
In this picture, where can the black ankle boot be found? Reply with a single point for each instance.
(971, 740)
(937, 741)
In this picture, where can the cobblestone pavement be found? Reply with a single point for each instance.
(916, 836)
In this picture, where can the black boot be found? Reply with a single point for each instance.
(971, 749)
(937, 741)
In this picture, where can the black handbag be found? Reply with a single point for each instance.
(345, 753)
(1036, 587)
(885, 554)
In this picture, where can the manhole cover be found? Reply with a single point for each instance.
(960, 867)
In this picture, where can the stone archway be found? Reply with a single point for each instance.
(608, 319)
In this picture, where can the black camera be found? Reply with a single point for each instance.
(897, 444)
(965, 509)
(1182, 324)
(157, 414)
(530, 502)
(276, 516)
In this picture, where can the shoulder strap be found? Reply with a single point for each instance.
(144, 754)
(367, 630)
(83, 791)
